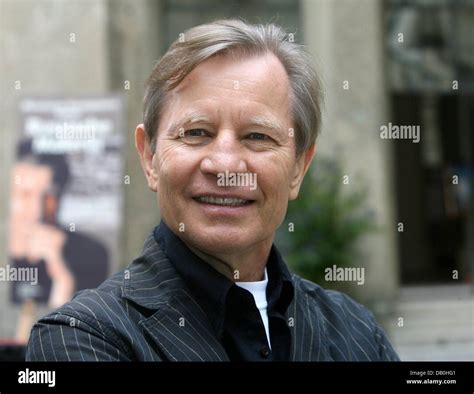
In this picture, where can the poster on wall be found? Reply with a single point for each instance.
(66, 198)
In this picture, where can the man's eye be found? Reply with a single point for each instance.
(194, 133)
(258, 136)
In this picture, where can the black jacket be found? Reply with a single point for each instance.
(147, 313)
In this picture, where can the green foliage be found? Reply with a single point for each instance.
(328, 217)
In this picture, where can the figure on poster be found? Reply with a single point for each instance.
(67, 261)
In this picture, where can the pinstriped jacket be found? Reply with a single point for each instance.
(146, 313)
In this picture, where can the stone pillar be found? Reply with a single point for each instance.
(346, 39)
(134, 47)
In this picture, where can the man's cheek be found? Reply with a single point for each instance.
(169, 187)
(164, 173)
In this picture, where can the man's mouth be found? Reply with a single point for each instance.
(224, 201)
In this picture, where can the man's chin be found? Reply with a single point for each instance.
(220, 241)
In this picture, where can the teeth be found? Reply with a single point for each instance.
(222, 201)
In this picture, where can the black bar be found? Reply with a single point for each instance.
(297, 377)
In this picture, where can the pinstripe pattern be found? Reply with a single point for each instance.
(146, 313)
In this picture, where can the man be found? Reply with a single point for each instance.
(229, 103)
(65, 261)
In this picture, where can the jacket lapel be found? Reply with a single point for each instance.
(177, 324)
(183, 331)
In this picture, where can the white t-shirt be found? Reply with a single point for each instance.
(259, 292)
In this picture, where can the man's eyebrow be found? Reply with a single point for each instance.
(266, 122)
(188, 119)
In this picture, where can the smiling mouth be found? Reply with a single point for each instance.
(223, 201)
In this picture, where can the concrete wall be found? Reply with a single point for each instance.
(345, 37)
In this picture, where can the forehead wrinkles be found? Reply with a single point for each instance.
(271, 95)
(194, 87)
(259, 76)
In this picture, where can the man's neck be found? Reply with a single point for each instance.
(248, 266)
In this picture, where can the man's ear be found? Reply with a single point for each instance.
(301, 167)
(147, 157)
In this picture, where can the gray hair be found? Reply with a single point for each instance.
(232, 36)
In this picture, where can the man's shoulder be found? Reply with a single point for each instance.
(93, 306)
(127, 296)
(331, 301)
(106, 323)
(350, 329)
(100, 318)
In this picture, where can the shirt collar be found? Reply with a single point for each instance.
(211, 288)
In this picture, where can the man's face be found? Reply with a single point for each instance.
(227, 115)
(29, 183)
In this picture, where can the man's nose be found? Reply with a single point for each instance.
(225, 153)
